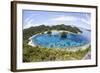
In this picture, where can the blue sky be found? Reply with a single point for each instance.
(36, 18)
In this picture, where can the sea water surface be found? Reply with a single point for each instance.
(55, 40)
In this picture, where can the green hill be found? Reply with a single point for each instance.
(42, 28)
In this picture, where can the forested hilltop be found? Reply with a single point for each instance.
(42, 28)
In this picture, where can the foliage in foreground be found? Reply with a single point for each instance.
(37, 54)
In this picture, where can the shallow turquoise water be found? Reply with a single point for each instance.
(55, 41)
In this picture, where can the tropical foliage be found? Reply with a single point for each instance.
(37, 54)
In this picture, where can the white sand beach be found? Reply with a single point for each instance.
(31, 43)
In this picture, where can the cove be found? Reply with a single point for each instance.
(56, 41)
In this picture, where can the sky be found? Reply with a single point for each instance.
(31, 18)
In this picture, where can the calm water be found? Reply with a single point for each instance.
(55, 40)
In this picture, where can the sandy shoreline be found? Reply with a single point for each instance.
(31, 43)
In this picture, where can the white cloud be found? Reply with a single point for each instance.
(68, 20)
(27, 26)
(30, 25)
(86, 21)
(65, 18)
(29, 18)
(71, 18)
(28, 22)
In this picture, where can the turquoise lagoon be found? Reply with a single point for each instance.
(55, 40)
